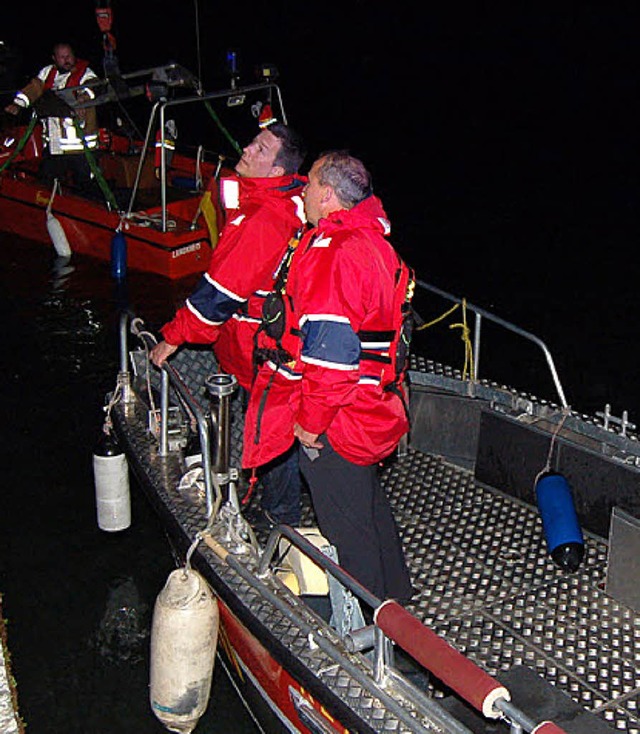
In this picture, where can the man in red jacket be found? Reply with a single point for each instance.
(330, 378)
(264, 211)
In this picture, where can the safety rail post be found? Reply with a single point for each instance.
(477, 330)
(164, 413)
(143, 156)
(173, 378)
(221, 387)
(124, 375)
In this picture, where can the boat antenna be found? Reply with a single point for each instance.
(199, 59)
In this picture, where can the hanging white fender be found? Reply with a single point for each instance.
(184, 636)
(56, 232)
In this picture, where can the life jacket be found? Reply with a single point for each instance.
(398, 339)
(277, 314)
(378, 348)
(74, 78)
(64, 134)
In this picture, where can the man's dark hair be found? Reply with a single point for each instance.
(63, 44)
(293, 149)
(346, 175)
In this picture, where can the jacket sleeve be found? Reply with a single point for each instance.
(242, 263)
(30, 93)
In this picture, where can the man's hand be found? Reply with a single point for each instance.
(12, 109)
(308, 440)
(159, 354)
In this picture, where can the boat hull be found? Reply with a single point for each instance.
(89, 228)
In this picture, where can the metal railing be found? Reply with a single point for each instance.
(481, 313)
(391, 620)
(213, 473)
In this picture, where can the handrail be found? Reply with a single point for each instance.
(172, 376)
(479, 314)
(481, 690)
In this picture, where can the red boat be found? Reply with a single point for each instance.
(164, 202)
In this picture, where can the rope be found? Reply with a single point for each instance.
(468, 347)
(95, 169)
(116, 395)
(21, 143)
(191, 551)
(440, 318)
(554, 436)
(252, 485)
(223, 129)
(152, 338)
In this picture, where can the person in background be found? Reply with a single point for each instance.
(65, 136)
(264, 211)
(338, 389)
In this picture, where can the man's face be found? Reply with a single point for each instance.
(64, 58)
(258, 157)
(314, 193)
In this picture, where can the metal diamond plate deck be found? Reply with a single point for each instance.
(488, 585)
(484, 581)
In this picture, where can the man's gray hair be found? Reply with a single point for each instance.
(346, 175)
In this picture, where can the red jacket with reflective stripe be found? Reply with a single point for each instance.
(226, 307)
(341, 282)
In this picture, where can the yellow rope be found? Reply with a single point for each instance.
(435, 321)
(468, 347)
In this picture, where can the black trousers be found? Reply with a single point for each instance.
(354, 514)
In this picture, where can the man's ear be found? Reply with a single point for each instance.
(276, 171)
(327, 194)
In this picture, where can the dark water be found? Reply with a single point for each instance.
(78, 600)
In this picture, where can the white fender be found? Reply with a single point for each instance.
(184, 636)
(111, 480)
(58, 237)
(57, 234)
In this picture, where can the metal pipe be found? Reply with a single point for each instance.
(163, 171)
(430, 709)
(164, 414)
(143, 155)
(138, 328)
(221, 387)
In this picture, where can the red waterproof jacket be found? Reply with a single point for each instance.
(342, 314)
(226, 307)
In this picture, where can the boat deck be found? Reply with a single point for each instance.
(486, 583)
